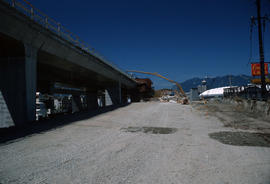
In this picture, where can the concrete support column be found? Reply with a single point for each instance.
(120, 92)
(30, 81)
(124, 95)
(77, 100)
(92, 98)
(18, 84)
(113, 95)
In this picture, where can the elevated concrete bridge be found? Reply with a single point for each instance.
(36, 52)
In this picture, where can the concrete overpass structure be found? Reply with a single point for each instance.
(36, 52)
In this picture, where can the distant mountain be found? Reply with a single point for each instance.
(236, 80)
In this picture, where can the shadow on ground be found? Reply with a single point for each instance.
(9, 135)
(242, 138)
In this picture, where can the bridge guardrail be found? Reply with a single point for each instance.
(48, 23)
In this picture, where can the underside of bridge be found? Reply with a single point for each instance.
(25, 70)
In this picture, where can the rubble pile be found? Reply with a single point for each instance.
(168, 98)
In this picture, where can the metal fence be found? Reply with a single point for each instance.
(50, 24)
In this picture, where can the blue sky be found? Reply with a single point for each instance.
(178, 39)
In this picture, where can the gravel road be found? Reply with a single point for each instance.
(102, 150)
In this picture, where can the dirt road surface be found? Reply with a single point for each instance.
(123, 146)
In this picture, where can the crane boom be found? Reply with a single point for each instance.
(158, 75)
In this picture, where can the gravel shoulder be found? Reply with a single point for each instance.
(235, 116)
(103, 150)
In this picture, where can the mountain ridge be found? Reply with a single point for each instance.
(214, 82)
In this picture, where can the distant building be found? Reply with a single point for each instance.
(194, 94)
(202, 87)
(214, 93)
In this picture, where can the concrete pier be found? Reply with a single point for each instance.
(18, 84)
(114, 93)
(30, 81)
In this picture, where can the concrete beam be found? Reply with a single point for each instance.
(23, 29)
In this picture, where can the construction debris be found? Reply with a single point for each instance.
(182, 97)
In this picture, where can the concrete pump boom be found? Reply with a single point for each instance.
(158, 75)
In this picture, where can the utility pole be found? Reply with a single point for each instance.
(263, 87)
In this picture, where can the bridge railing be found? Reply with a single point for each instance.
(48, 23)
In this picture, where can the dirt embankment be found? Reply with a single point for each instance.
(235, 116)
(253, 128)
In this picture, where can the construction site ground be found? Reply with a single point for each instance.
(148, 142)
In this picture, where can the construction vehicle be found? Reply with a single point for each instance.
(182, 97)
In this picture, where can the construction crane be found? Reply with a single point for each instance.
(183, 94)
